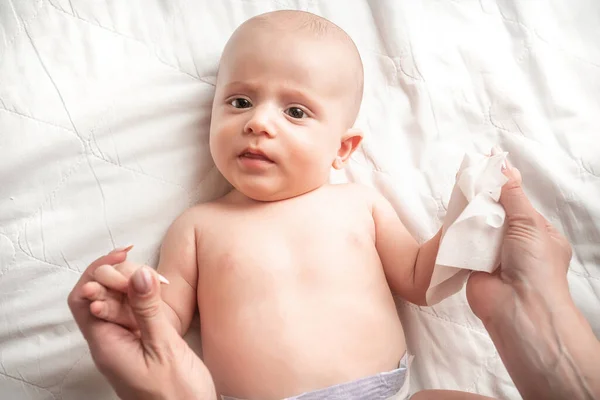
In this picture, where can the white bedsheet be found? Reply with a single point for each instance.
(104, 115)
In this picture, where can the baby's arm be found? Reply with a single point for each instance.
(108, 292)
(178, 263)
(408, 267)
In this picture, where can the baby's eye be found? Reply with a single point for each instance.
(240, 102)
(295, 112)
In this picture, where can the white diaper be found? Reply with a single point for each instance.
(392, 385)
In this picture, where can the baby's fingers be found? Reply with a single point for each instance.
(108, 305)
(94, 291)
(110, 278)
(113, 310)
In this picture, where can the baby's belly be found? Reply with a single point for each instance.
(287, 333)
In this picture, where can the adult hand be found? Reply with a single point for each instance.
(152, 362)
(535, 258)
(547, 346)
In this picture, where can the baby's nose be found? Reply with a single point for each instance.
(261, 122)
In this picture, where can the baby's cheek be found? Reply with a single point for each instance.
(220, 145)
(314, 165)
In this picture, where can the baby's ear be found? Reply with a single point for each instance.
(350, 142)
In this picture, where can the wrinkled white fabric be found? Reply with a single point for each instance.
(473, 228)
(104, 119)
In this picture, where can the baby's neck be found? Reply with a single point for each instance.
(237, 197)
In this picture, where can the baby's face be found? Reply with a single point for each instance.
(282, 107)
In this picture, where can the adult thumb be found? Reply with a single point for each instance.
(146, 304)
(513, 198)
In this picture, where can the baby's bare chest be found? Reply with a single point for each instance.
(280, 243)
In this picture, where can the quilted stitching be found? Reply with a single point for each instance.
(104, 114)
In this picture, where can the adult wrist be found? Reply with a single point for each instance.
(548, 347)
(531, 298)
(177, 385)
(183, 392)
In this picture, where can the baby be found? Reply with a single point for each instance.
(293, 278)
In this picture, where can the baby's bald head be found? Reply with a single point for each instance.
(328, 50)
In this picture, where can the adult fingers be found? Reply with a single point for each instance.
(513, 198)
(156, 331)
(109, 305)
(94, 291)
(78, 304)
(114, 310)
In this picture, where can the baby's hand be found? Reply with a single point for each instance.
(108, 294)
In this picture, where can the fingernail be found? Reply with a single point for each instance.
(142, 281)
(503, 166)
(122, 249)
(162, 279)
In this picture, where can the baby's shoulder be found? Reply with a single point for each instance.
(194, 216)
(356, 193)
(202, 212)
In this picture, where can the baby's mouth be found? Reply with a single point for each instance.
(254, 155)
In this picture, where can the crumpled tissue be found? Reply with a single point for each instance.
(474, 225)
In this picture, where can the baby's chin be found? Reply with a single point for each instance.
(263, 194)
